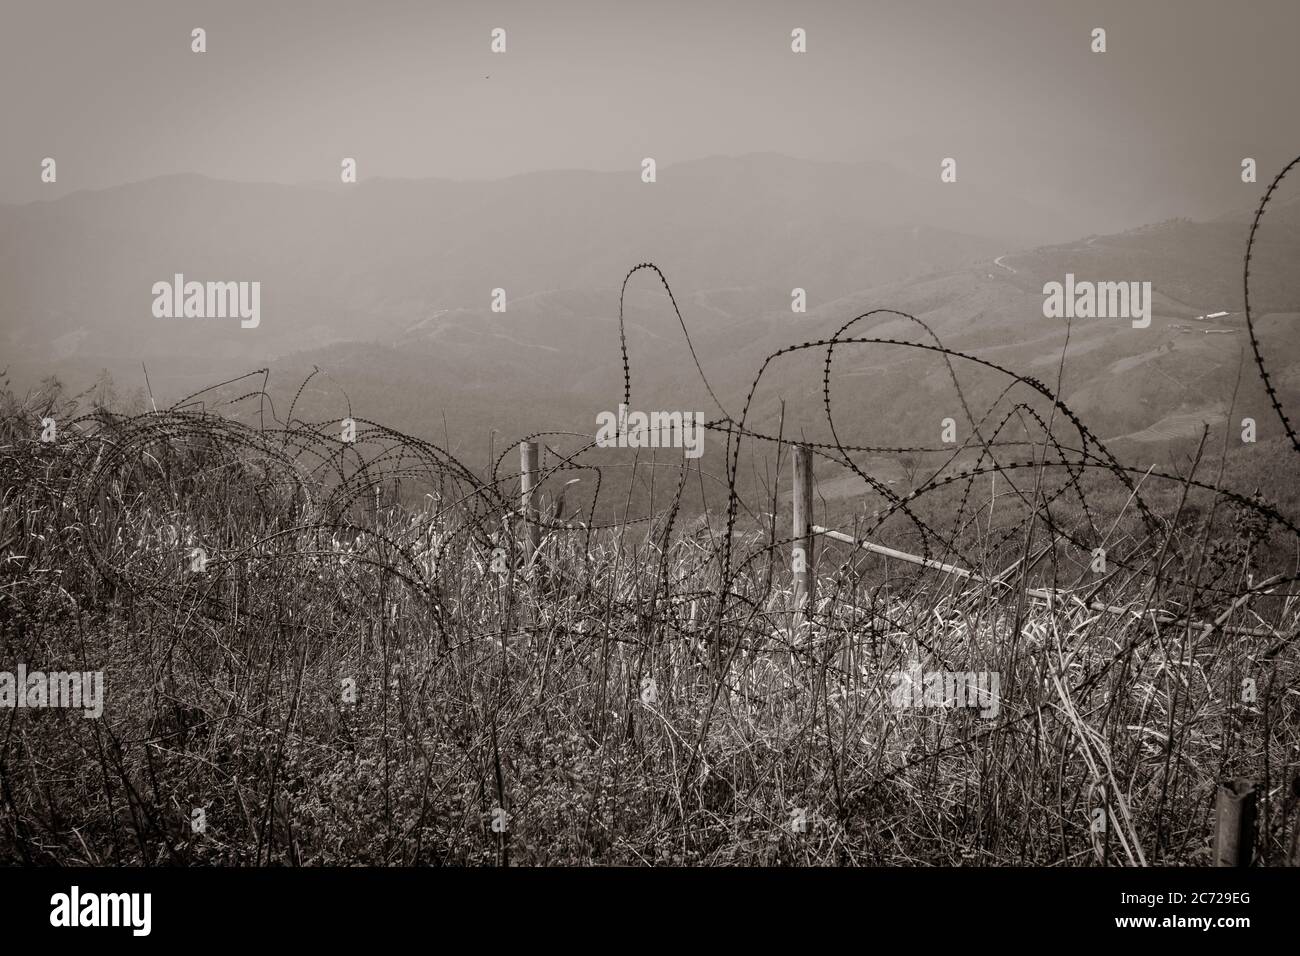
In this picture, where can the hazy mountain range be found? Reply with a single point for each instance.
(386, 286)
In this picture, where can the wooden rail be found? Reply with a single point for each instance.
(1163, 617)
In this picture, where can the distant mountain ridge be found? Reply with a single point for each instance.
(387, 285)
(363, 261)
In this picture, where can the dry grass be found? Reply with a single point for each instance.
(622, 702)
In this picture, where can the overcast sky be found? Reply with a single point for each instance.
(410, 88)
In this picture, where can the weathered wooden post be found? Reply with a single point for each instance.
(801, 552)
(1293, 851)
(528, 497)
(1234, 822)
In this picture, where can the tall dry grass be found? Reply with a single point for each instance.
(614, 701)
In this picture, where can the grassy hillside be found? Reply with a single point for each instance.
(350, 678)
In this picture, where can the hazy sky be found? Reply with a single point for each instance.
(409, 87)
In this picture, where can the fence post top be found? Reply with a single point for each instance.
(1238, 786)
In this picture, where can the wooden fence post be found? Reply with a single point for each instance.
(802, 552)
(1293, 850)
(1234, 822)
(528, 497)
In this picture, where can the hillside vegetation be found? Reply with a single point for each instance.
(359, 676)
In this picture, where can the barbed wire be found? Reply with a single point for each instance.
(302, 480)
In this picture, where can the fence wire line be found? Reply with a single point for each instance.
(326, 479)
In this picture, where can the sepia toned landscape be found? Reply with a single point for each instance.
(393, 472)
